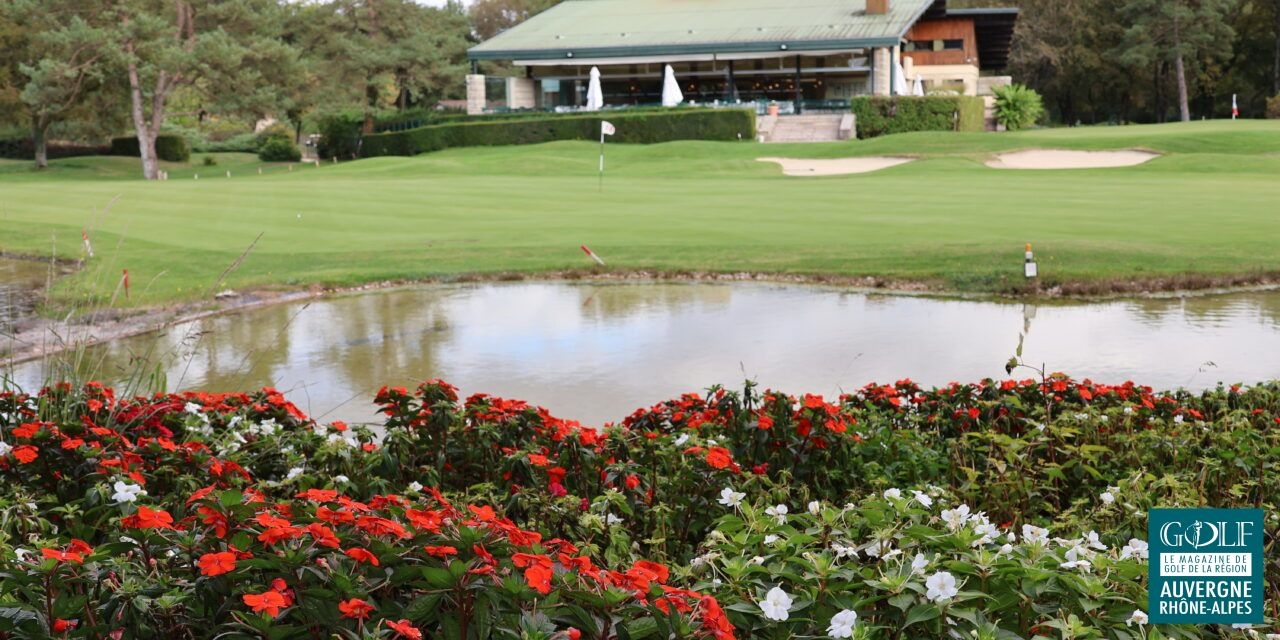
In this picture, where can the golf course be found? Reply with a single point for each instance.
(1202, 213)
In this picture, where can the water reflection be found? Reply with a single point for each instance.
(18, 280)
(597, 351)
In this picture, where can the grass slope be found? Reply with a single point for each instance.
(1208, 207)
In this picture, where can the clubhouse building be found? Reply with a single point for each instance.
(802, 54)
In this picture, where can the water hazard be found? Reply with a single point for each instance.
(596, 352)
(18, 281)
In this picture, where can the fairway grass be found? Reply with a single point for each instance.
(1209, 207)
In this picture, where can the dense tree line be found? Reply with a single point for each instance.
(1098, 61)
(106, 66)
(96, 67)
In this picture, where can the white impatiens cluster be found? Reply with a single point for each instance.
(5, 448)
(779, 513)
(1135, 549)
(957, 517)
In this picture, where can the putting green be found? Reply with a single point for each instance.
(1206, 207)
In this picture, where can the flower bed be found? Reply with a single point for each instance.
(892, 512)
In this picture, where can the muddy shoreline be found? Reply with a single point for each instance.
(35, 338)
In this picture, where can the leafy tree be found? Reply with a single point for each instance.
(384, 53)
(226, 49)
(12, 46)
(1178, 31)
(66, 59)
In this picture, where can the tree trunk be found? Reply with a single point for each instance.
(1275, 69)
(1183, 107)
(39, 131)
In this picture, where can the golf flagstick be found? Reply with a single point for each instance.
(606, 129)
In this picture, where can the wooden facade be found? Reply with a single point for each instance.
(945, 41)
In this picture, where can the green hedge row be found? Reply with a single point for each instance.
(877, 116)
(25, 149)
(170, 148)
(643, 128)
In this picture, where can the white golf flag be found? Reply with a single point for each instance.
(606, 128)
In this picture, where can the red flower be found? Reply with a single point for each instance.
(719, 458)
(25, 453)
(404, 630)
(539, 578)
(633, 481)
(573, 634)
(376, 526)
(362, 555)
(355, 608)
(270, 601)
(148, 519)
(442, 551)
(216, 564)
(484, 514)
(63, 626)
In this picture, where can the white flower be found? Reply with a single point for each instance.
(1135, 549)
(1091, 540)
(815, 507)
(731, 498)
(942, 586)
(610, 519)
(1006, 549)
(955, 518)
(681, 439)
(126, 492)
(1034, 535)
(21, 554)
(919, 562)
(924, 500)
(1075, 559)
(703, 559)
(882, 549)
(844, 552)
(415, 486)
(1178, 418)
(776, 604)
(193, 409)
(842, 624)
(770, 539)
(294, 472)
(1128, 410)
(5, 448)
(892, 494)
(779, 512)
(757, 560)
(341, 479)
(1107, 497)
(1139, 616)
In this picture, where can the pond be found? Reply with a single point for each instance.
(18, 281)
(595, 352)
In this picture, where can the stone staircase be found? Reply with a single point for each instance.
(806, 128)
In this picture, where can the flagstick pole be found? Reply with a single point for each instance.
(601, 157)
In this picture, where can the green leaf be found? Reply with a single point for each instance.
(922, 613)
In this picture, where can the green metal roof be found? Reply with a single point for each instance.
(617, 28)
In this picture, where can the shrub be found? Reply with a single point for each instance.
(274, 130)
(1017, 106)
(877, 116)
(209, 161)
(241, 143)
(278, 149)
(169, 147)
(640, 127)
(339, 135)
(1273, 108)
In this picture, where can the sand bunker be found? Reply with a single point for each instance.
(1060, 159)
(835, 166)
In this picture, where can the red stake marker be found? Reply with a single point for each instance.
(592, 254)
(126, 283)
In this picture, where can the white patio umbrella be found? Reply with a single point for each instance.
(671, 94)
(899, 79)
(917, 88)
(595, 96)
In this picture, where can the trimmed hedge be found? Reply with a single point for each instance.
(25, 149)
(1273, 107)
(169, 148)
(877, 116)
(277, 149)
(643, 128)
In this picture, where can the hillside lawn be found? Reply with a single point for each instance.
(1210, 207)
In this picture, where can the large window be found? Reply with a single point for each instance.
(934, 45)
